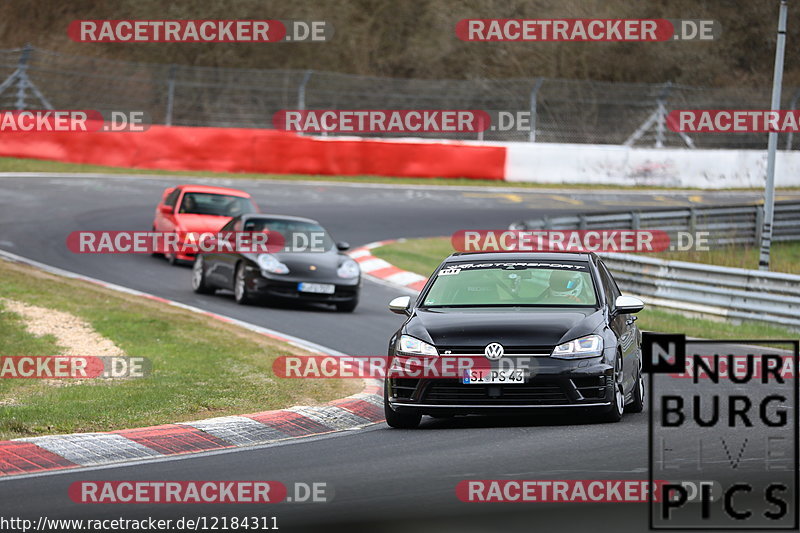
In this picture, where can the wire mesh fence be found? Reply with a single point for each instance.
(562, 111)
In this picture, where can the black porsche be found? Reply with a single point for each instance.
(558, 320)
(311, 267)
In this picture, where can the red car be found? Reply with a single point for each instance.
(199, 208)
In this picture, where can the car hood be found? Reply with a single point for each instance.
(201, 223)
(324, 264)
(520, 326)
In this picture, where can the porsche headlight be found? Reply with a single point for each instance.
(268, 263)
(349, 269)
(588, 346)
(412, 345)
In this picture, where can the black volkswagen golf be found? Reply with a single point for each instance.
(311, 267)
(558, 321)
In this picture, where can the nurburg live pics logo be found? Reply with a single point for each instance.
(733, 426)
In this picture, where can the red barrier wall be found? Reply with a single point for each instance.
(255, 150)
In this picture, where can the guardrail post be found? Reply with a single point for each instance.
(22, 77)
(636, 220)
(661, 114)
(759, 223)
(548, 224)
(582, 222)
(170, 94)
(692, 219)
(534, 96)
(301, 90)
(23, 82)
(792, 106)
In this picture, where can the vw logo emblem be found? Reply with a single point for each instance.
(494, 351)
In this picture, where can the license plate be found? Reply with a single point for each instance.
(488, 376)
(319, 288)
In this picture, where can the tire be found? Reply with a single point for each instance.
(614, 412)
(241, 294)
(348, 306)
(199, 281)
(639, 394)
(398, 420)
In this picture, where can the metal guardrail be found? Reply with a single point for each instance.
(734, 293)
(737, 224)
(731, 293)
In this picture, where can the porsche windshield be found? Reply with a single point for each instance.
(512, 284)
(299, 235)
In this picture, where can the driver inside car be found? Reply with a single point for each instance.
(565, 287)
(188, 205)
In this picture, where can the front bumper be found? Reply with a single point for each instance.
(563, 384)
(287, 289)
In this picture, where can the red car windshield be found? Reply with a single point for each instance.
(202, 203)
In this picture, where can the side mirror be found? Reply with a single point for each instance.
(165, 209)
(400, 305)
(628, 304)
(342, 246)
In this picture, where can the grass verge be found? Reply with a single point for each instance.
(13, 164)
(200, 368)
(424, 255)
(784, 257)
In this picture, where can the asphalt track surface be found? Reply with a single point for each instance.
(383, 479)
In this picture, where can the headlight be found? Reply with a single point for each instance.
(348, 269)
(588, 346)
(268, 263)
(413, 345)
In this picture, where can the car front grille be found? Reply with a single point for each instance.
(533, 393)
(530, 351)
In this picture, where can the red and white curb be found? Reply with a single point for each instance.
(379, 269)
(54, 452)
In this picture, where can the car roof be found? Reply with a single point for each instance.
(213, 190)
(459, 257)
(249, 216)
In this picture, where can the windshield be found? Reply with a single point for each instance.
(299, 236)
(512, 284)
(202, 203)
